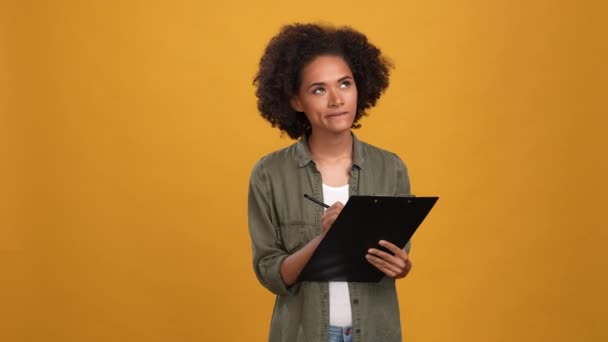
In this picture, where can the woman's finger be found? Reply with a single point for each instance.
(392, 259)
(329, 219)
(392, 247)
(330, 215)
(383, 265)
(380, 254)
(335, 207)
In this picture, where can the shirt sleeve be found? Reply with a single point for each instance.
(268, 249)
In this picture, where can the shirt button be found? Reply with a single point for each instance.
(353, 187)
(358, 331)
(356, 301)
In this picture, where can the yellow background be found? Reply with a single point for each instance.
(129, 128)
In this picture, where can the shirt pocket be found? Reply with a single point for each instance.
(296, 235)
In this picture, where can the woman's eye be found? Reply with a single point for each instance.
(345, 84)
(318, 91)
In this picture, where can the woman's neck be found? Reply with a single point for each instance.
(330, 147)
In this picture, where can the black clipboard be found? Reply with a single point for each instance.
(363, 222)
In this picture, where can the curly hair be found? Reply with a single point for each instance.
(279, 75)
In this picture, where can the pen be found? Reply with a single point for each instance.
(316, 201)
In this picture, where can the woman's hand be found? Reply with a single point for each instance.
(394, 266)
(330, 216)
(293, 265)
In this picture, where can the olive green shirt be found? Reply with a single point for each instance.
(281, 221)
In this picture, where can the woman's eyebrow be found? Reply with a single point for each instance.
(343, 78)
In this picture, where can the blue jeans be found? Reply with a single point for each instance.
(340, 334)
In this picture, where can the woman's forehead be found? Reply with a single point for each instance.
(326, 68)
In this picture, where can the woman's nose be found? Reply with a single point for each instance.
(335, 99)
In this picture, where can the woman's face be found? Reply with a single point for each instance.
(327, 95)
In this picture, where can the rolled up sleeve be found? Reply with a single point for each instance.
(267, 246)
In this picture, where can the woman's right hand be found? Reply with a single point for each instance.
(330, 216)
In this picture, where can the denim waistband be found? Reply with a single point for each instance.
(340, 334)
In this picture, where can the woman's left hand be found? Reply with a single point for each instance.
(394, 266)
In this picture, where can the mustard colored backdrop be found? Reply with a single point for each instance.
(129, 129)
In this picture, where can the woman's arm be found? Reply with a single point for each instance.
(275, 268)
(292, 266)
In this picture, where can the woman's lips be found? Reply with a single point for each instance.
(332, 115)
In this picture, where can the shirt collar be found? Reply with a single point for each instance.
(304, 156)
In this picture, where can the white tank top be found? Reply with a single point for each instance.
(339, 297)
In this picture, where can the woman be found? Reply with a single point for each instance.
(315, 83)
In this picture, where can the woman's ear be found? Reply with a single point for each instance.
(296, 104)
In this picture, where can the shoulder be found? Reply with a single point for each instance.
(276, 161)
(385, 167)
(376, 155)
